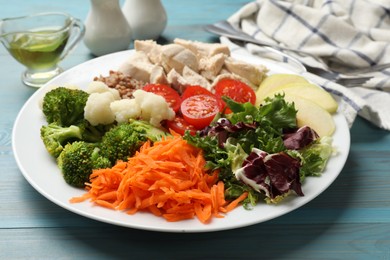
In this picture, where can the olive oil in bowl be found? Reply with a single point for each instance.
(40, 42)
(40, 50)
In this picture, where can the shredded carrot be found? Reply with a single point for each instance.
(232, 205)
(167, 178)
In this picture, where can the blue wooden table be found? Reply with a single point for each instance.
(350, 220)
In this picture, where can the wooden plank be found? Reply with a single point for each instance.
(324, 241)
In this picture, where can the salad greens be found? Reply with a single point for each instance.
(258, 150)
(261, 150)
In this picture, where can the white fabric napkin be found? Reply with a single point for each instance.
(345, 35)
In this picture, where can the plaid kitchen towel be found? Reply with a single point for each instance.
(347, 36)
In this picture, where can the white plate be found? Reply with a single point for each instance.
(42, 173)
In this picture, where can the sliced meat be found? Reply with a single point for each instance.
(151, 48)
(157, 75)
(138, 56)
(202, 49)
(210, 67)
(140, 68)
(176, 81)
(194, 79)
(174, 56)
(137, 66)
(254, 73)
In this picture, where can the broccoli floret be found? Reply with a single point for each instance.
(78, 160)
(64, 106)
(55, 137)
(91, 133)
(121, 142)
(125, 139)
(148, 130)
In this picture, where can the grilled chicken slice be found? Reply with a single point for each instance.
(253, 73)
(176, 81)
(194, 79)
(139, 67)
(202, 49)
(151, 48)
(175, 56)
(210, 67)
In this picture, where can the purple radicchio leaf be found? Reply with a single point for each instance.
(273, 174)
(223, 127)
(300, 138)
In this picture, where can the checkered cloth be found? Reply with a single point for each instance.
(342, 35)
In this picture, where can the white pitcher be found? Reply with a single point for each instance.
(107, 29)
(147, 18)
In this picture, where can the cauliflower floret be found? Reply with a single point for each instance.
(125, 109)
(101, 87)
(103, 107)
(154, 108)
(97, 109)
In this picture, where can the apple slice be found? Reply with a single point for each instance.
(313, 115)
(311, 92)
(276, 80)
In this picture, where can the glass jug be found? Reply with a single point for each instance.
(40, 42)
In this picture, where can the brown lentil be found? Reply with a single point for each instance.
(123, 83)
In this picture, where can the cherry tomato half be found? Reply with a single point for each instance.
(180, 126)
(236, 90)
(170, 95)
(195, 90)
(199, 90)
(199, 110)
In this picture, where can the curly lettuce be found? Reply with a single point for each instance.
(260, 150)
